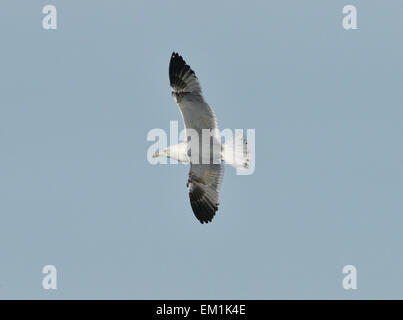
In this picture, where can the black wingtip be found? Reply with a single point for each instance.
(205, 220)
(202, 212)
(177, 70)
(176, 56)
(204, 217)
(202, 208)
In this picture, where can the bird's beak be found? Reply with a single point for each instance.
(156, 155)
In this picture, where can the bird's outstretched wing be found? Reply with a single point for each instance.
(187, 92)
(204, 183)
(204, 180)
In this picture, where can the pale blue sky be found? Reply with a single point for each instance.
(76, 190)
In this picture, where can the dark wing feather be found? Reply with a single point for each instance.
(203, 185)
(182, 78)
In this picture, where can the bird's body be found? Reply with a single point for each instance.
(203, 148)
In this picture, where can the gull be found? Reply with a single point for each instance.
(205, 157)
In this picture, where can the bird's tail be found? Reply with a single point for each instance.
(236, 152)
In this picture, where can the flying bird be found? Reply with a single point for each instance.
(206, 164)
